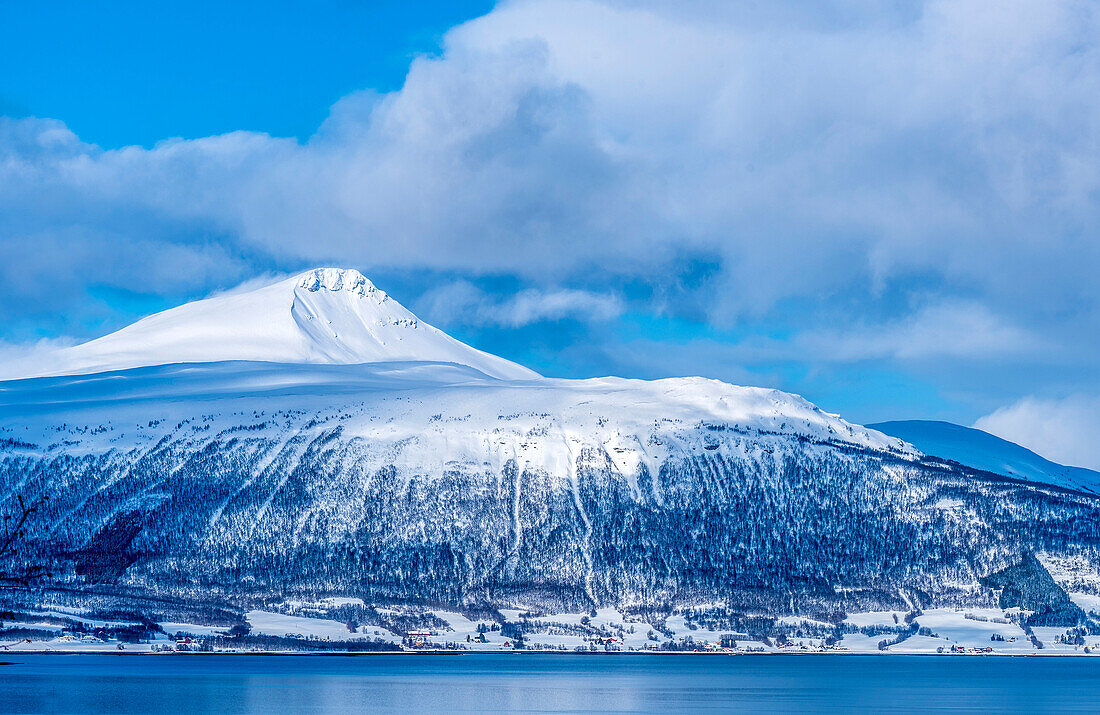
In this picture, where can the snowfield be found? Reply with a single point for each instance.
(422, 418)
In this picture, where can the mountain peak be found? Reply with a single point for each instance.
(339, 279)
(322, 316)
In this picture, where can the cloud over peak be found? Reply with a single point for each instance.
(463, 303)
(850, 154)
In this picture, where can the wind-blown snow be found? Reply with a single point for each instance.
(323, 316)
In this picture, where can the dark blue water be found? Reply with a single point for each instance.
(545, 683)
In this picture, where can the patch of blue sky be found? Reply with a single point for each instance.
(128, 72)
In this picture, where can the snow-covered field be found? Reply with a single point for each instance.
(278, 624)
(941, 631)
(932, 631)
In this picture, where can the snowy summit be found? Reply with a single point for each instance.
(322, 316)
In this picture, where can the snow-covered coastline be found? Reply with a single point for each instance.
(941, 631)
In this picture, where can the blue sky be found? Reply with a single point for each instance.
(892, 208)
(122, 73)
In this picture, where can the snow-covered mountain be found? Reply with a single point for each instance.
(323, 316)
(314, 437)
(981, 450)
(285, 339)
(396, 374)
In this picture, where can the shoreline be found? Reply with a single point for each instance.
(533, 653)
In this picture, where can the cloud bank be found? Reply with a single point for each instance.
(855, 166)
(1062, 430)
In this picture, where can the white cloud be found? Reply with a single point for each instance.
(255, 283)
(558, 134)
(943, 330)
(462, 303)
(24, 350)
(1062, 430)
(14, 356)
(850, 153)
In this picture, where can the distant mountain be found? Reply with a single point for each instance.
(314, 438)
(981, 450)
(323, 316)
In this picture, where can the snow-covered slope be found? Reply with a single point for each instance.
(419, 416)
(323, 316)
(981, 450)
(421, 481)
(434, 481)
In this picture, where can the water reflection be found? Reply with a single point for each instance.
(544, 683)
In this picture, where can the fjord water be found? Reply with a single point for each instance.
(54, 683)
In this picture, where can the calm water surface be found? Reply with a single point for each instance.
(544, 683)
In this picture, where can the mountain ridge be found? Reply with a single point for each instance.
(978, 449)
